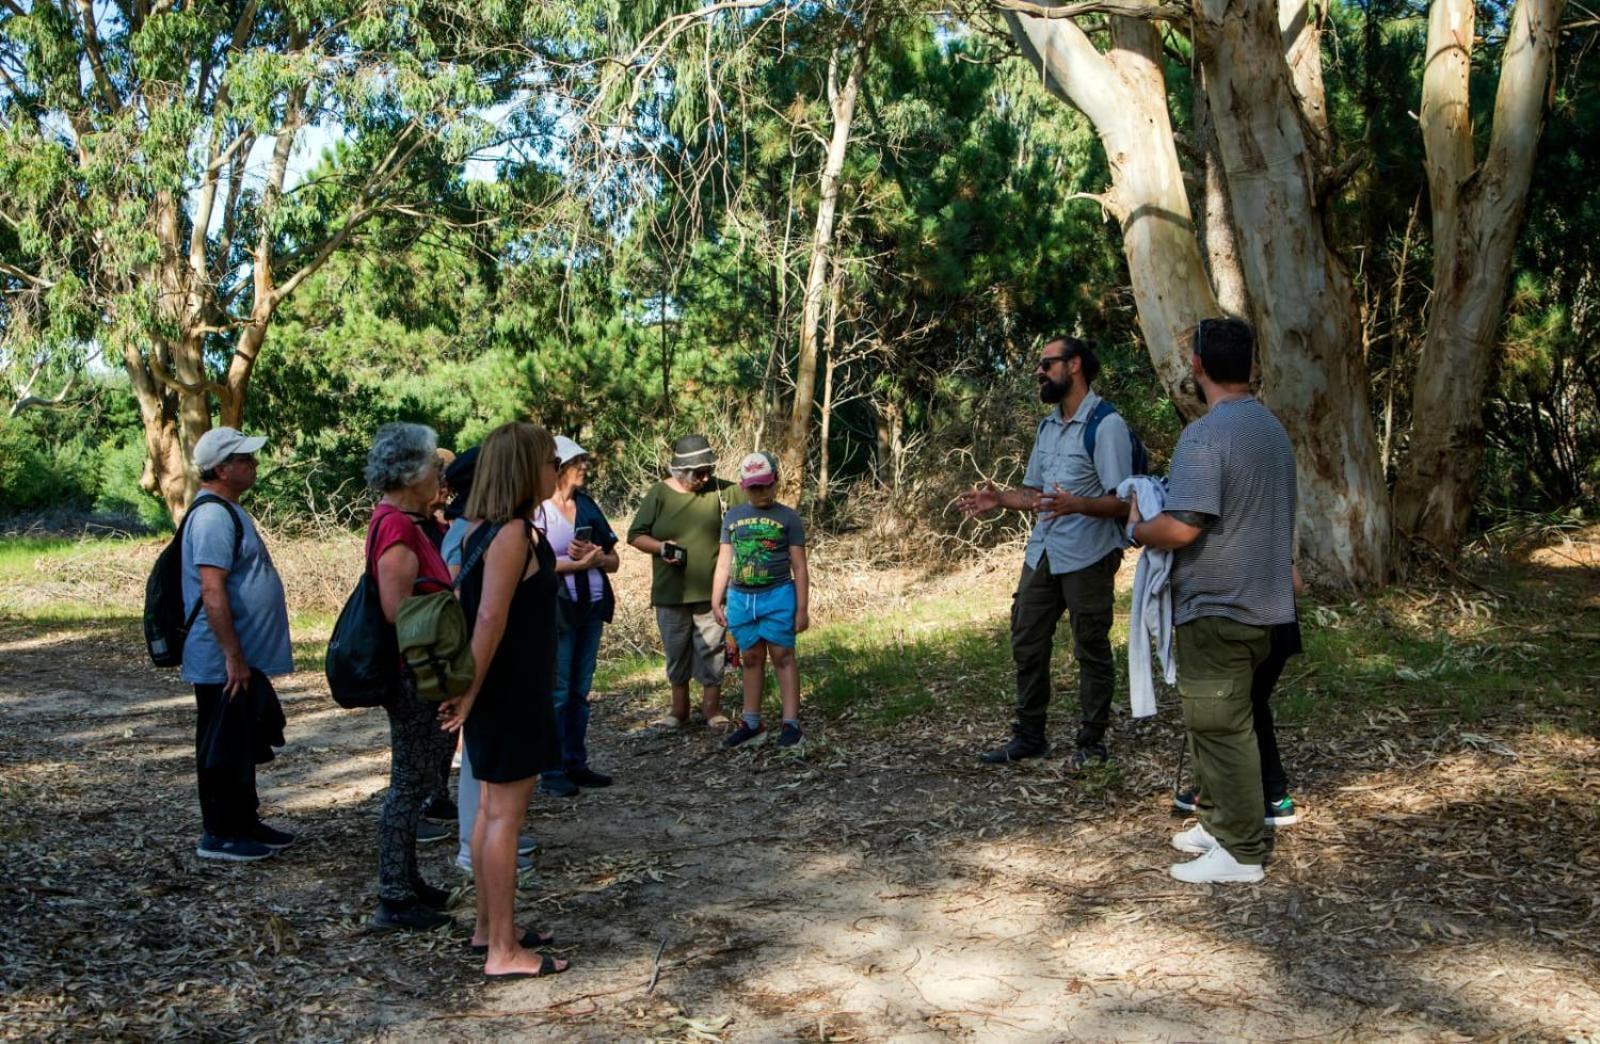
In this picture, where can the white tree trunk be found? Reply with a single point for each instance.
(1305, 311)
(842, 102)
(1124, 95)
(1477, 215)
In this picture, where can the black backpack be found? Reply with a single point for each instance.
(1141, 459)
(363, 659)
(166, 619)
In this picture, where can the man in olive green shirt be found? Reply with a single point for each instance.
(679, 523)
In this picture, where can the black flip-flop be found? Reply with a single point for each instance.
(531, 940)
(547, 966)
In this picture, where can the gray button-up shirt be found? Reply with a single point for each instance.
(1074, 542)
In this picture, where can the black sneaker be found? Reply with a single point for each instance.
(431, 897)
(1281, 812)
(558, 786)
(428, 833)
(414, 916)
(791, 736)
(588, 777)
(1185, 801)
(440, 810)
(1083, 757)
(1018, 749)
(273, 839)
(742, 735)
(231, 849)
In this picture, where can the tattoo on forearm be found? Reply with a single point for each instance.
(1197, 519)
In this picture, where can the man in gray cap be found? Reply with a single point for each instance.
(239, 637)
(679, 523)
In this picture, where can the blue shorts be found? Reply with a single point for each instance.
(762, 616)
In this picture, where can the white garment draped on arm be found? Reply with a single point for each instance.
(1152, 603)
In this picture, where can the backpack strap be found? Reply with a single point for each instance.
(238, 543)
(1091, 428)
(478, 553)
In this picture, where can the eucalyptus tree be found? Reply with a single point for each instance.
(153, 187)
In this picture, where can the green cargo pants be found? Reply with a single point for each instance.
(1217, 658)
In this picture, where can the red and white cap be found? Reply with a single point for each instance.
(758, 469)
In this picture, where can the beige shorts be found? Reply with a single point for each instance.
(694, 643)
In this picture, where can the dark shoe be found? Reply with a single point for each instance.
(440, 810)
(791, 736)
(588, 777)
(527, 844)
(742, 735)
(1185, 802)
(414, 916)
(273, 839)
(558, 786)
(232, 849)
(1281, 812)
(431, 897)
(1083, 757)
(428, 833)
(547, 966)
(1018, 749)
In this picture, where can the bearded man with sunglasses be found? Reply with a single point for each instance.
(679, 524)
(1073, 554)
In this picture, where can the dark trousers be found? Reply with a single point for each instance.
(417, 747)
(1274, 780)
(225, 763)
(1087, 597)
(577, 651)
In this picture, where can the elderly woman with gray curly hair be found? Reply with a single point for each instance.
(403, 469)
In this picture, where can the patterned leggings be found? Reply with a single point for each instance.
(417, 750)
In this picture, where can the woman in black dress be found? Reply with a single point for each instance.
(508, 714)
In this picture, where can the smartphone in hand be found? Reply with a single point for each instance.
(584, 534)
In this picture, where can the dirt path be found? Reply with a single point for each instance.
(875, 888)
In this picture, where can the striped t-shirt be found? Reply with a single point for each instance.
(1236, 466)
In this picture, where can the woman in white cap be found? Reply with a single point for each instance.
(586, 550)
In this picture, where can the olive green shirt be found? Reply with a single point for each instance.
(693, 521)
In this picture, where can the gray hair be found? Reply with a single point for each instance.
(400, 455)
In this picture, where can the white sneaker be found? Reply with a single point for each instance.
(1216, 867)
(1195, 840)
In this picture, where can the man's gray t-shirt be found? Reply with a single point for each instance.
(1074, 542)
(255, 594)
(1235, 465)
(761, 539)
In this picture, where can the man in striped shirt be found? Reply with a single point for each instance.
(1229, 519)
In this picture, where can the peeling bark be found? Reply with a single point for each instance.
(1478, 212)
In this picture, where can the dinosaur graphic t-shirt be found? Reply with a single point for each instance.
(761, 538)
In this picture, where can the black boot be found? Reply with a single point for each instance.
(1024, 744)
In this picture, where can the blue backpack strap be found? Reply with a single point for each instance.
(1091, 429)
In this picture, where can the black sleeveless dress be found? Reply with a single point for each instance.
(511, 733)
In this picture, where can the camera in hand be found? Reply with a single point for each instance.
(673, 553)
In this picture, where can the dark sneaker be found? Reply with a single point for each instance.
(273, 839)
(431, 897)
(1019, 749)
(527, 844)
(1281, 812)
(231, 849)
(428, 833)
(588, 777)
(440, 810)
(791, 736)
(558, 786)
(1083, 757)
(742, 735)
(414, 916)
(1185, 801)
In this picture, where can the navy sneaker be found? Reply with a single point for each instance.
(558, 786)
(1185, 801)
(742, 735)
(431, 897)
(273, 839)
(428, 833)
(440, 810)
(1019, 748)
(588, 777)
(231, 849)
(791, 736)
(1083, 757)
(1281, 812)
(414, 916)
